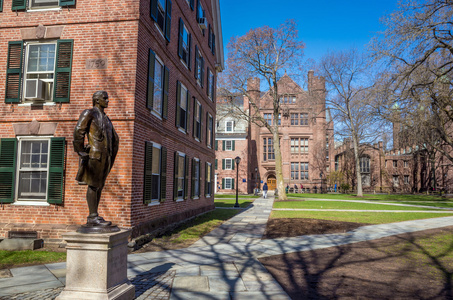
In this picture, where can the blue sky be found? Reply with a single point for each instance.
(323, 24)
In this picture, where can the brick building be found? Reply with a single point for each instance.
(306, 137)
(157, 59)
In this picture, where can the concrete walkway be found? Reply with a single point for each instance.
(222, 265)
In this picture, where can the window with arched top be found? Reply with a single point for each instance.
(364, 164)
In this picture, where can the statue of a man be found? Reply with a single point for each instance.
(97, 157)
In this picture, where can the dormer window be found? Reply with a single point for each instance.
(229, 126)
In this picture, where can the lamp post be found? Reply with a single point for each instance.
(320, 176)
(256, 181)
(238, 160)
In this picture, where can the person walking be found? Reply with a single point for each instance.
(265, 188)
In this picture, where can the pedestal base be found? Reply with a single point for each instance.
(96, 267)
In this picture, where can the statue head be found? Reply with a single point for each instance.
(100, 95)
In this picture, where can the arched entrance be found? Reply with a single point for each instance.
(271, 182)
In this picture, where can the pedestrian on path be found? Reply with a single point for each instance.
(265, 188)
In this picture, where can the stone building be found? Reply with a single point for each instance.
(306, 138)
(157, 59)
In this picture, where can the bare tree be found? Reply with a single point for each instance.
(417, 54)
(265, 53)
(349, 95)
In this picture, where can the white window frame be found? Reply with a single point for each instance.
(185, 45)
(155, 111)
(56, 6)
(210, 86)
(18, 170)
(197, 182)
(27, 73)
(230, 180)
(197, 111)
(210, 130)
(209, 181)
(230, 148)
(156, 201)
(181, 99)
(199, 70)
(183, 156)
(232, 126)
(230, 161)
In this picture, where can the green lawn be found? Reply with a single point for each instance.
(378, 197)
(358, 217)
(243, 202)
(309, 204)
(29, 257)
(234, 196)
(430, 203)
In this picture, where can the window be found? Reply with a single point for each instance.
(208, 183)
(295, 119)
(406, 179)
(161, 14)
(228, 164)
(210, 131)
(229, 126)
(155, 181)
(197, 114)
(228, 145)
(199, 66)
(46, 71)
(406, 164)
(157, 91)
(337, 161)
(299, 145)
(268, 149)
(364, 164)
(211, 40)
(191, 3)
(210, 85)
(184, 42)
(395, 180)
(228, 183)
(268, 118)
(287, 99)
(181, 176)
(182, 107)
(39, 4)
(294, 171)
(39, 169)
(395, 164)
(304, 171)
(196, 178)
(299, 119)
(279, 122)
(201, 16)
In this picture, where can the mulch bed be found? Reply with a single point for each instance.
(378, 269)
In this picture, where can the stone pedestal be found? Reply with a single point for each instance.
(96, 267)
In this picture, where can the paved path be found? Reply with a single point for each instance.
(222, 265)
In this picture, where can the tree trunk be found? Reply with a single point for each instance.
(278, 167)
(357, 165)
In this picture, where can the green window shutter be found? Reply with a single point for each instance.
(202, 72)
(18, 5)
(232, 164)
(194, 119)
(1, 5)
(14, 72)
(178, 103)
(56, 170)
(148, 178)
(216, 163)
(201, 123)
(166, 85)
(232, 183)
(153, 8)
(8, 149)
(206, 178)
(207, 81)
(150, 89)
(216, 144)
(180, 37)
(207, 127)
(167, 20)
(198, 14)
(223, 164)
(186, 176)
(63, 66)
(192, 4)
(175, 176)
(190, 52)
(223, 183)
(232, 145)
(213, 44)
(193, 178)
(188, 111)
(195, 73)
(209, 35)
(67, 2)
(163, 174)
(223, 145)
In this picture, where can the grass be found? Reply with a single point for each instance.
(29, 257)
(308, 204)
(377, 197)
(218, 196)
(430, 203)
(244, 202)
(358, 217)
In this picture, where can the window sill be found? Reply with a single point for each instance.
(197, 139)
(154, 203)
(44, 9)
(196, 198)
(159, 29)
(30, 203)
(184, 63)
(37, 103)
(156, 114)
(182, 130)
(179, 200)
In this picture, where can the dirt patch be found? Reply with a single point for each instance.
(165, 243)
(296, 227)
(397, 267)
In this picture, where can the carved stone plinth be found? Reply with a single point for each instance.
(96, 267)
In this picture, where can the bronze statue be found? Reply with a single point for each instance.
(95, 159)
